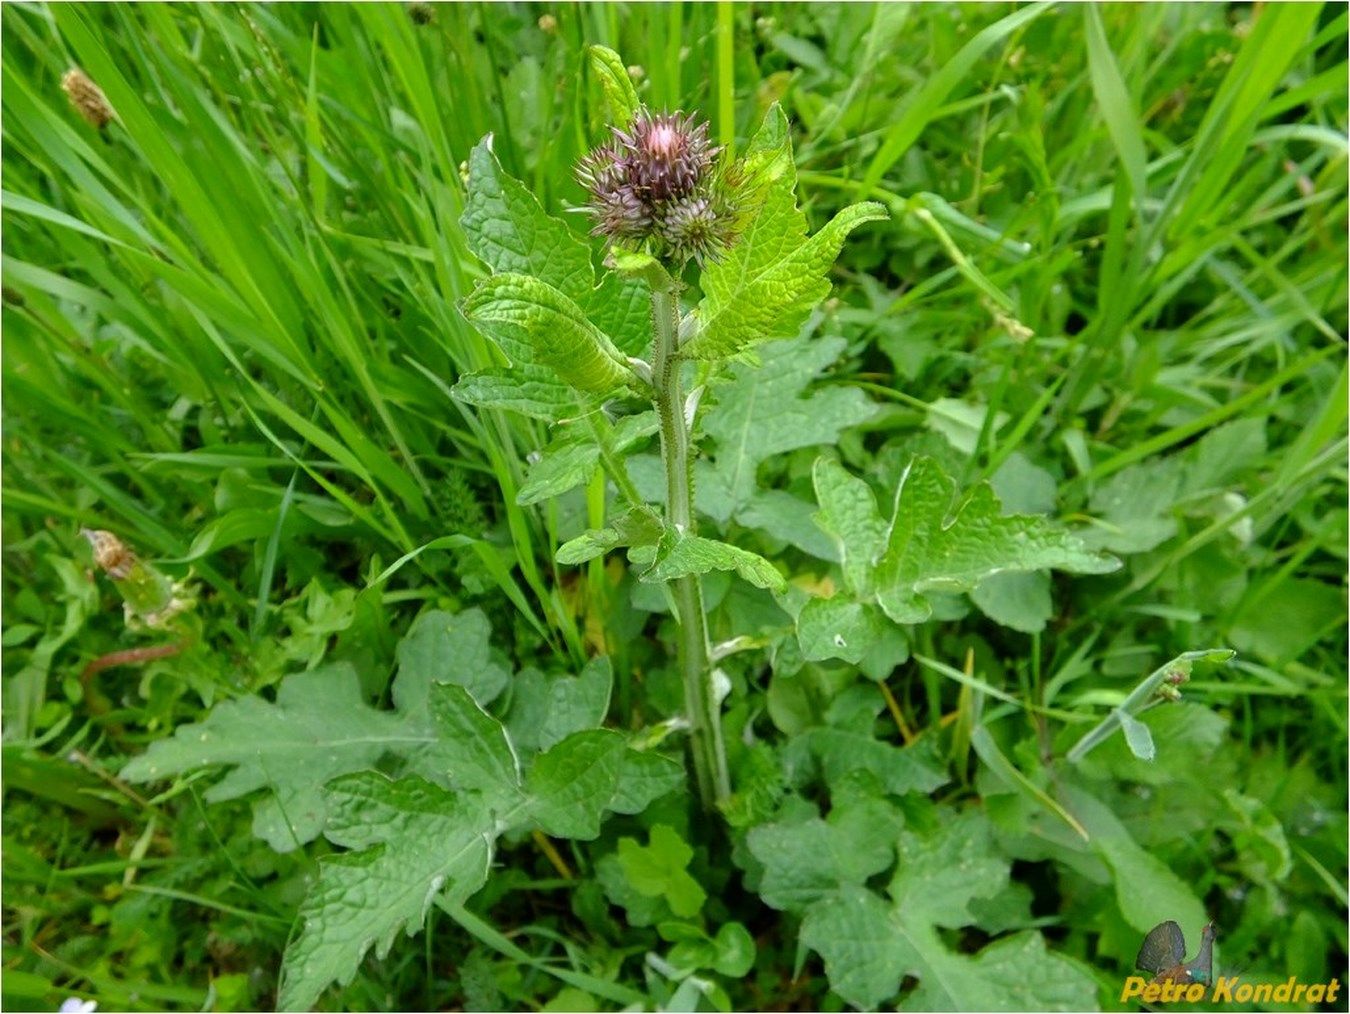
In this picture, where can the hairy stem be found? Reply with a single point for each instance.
(700, 701)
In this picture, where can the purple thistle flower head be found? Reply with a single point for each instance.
(658, 183)
(667, 156)
(621, 213)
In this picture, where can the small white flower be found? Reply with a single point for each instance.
(74, 1005)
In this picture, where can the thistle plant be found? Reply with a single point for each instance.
(670, 204)
(659, 190)
(664, 198)
(150, 600)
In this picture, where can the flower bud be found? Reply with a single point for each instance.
(689, 227)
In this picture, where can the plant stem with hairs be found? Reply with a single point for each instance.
(665, 198)
(656, 183)
(702, 706)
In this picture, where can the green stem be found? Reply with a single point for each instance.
(726, 75)
(701, 705)
(1140, 699)
(601, 430)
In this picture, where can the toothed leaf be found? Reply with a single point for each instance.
(871, 945)
(415, 840)
(774, 275)
(679, 556)
(519, 309)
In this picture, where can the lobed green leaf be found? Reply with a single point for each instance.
(659, 869)
(870, 946)
(318, 728)
(643, 779)
(931, 547)
(508, 230)
(443, 647)
(640, 526)
(566, 463)
(760, 412)
(505, 226)
(411, 840)
(772, 300)
(839, 628)
(570, 460)
(471, 746)
(809, 860)
(572, 784)
(848, 512)
(842, 753)
(417, 840)
(547, 709)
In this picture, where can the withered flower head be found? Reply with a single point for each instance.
(658, 182)
(110, 553)
(149, 598)
(87, 98)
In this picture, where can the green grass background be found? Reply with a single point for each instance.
(1117, 251)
